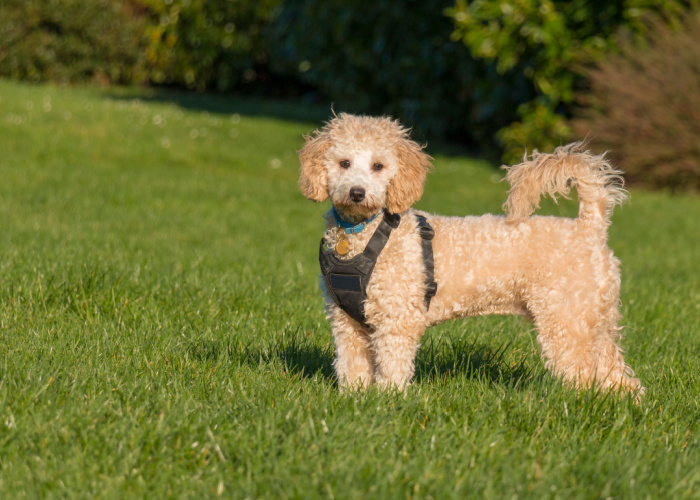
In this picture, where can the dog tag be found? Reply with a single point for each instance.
(342, 247)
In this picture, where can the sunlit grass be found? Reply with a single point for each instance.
(162, 334)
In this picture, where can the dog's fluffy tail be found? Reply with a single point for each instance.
(599, 185)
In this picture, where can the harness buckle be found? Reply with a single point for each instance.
(426, 232)
(356, 229)
(392, 219)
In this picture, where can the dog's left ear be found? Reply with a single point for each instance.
(313, 179)
(406, 187)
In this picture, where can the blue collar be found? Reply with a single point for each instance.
(353, 228)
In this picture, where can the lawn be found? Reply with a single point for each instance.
(162, 334)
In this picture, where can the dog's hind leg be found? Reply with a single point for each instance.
(579, 343)
(353, 363)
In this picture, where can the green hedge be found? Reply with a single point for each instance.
(551, 43)
(487, 72)
(195, 44)
(71, 40)
(397, 58)
(208, 44)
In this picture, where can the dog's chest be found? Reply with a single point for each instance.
(347, 246)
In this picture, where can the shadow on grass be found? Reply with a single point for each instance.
(449, 357)
(298, 110)
(436, 361)
(295, 353)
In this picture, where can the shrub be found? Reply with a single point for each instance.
(644, 105)
(208, 44)
(71, 40)
(549, 42)
(397, 58)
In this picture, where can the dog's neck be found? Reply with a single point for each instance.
(357, 241)
(352, 225)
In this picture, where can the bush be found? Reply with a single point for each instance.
(208, 44)
(549, 42)
(397, 58)
(71, 40)
(644, 106)
(197, 44)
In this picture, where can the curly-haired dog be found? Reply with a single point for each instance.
(558, 271)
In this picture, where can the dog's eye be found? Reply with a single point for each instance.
(345, 164)
(377, 167)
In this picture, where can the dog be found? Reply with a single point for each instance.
(558, 271)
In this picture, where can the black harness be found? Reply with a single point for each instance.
(346, 280)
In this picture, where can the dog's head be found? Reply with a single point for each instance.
(363, 164)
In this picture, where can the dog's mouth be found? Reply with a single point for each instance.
(357, 212)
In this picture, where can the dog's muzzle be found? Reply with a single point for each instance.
(357, 194)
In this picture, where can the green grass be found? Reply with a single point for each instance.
(162, 333)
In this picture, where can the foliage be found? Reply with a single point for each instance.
(195, 44)
(208, 44)
(71, 40)
(644, 106)
(391, 58)
(550, 42)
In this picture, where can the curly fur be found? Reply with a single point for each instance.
(598, 184)
(558, 271)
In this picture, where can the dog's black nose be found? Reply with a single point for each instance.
(357, 194)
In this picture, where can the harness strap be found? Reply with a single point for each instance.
(381, 236)
(427, 233)
(346, 280)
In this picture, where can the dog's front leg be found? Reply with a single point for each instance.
(353, 363)
(395, 344)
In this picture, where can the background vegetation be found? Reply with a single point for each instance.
(394, 58)
(162, 333)
(550, 43)
(200, 44)
(72, 40)
(644, 106)
(496, 76)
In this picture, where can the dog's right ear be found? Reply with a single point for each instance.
(313, 179)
